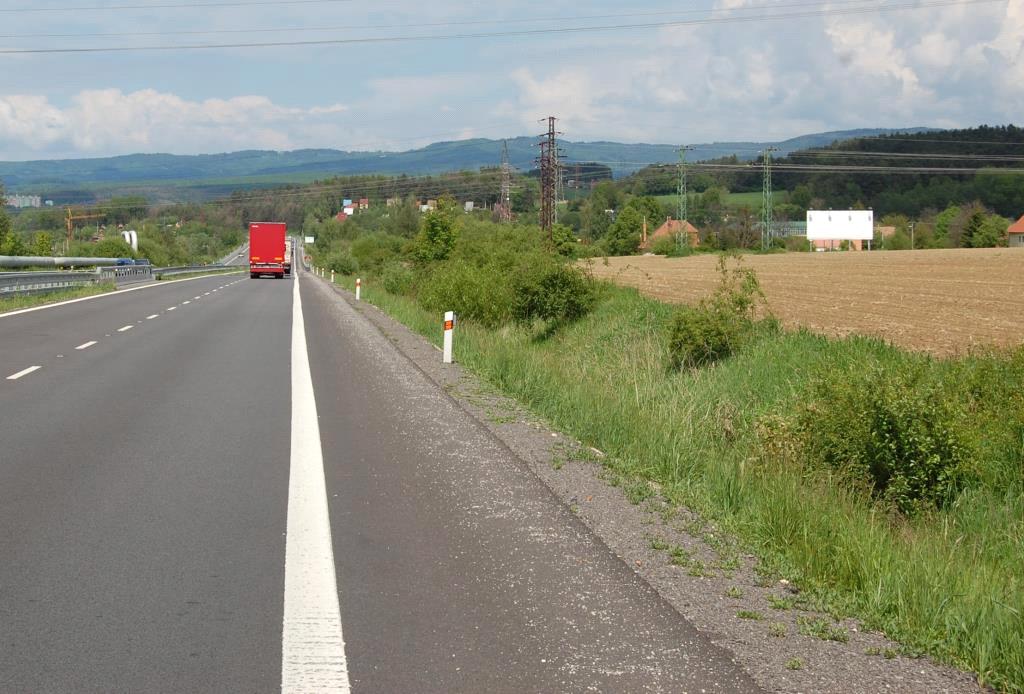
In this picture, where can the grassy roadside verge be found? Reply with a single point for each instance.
(14, 303)
(947, 583)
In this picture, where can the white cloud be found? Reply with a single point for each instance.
(108, 121)
(942, 67)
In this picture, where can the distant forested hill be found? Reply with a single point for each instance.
(163, 177)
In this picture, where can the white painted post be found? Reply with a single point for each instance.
(332, 276)
(449, 328)
(359, 287)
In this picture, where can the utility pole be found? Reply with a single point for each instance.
(767, 216)
(505, 196)
(549, 178)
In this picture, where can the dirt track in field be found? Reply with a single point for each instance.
(944, 302)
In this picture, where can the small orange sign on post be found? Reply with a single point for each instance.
(449, 326)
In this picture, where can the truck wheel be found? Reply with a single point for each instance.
(253, 276)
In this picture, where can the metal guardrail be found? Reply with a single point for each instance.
(35, 282)
(12, 283)
(126, 274)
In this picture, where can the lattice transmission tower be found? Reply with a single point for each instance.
(505, 195)
(549, 178)
(767, 214)
(683, 192)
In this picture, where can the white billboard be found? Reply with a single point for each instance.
(840, 225)
(310, 240)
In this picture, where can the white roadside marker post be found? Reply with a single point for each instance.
(359, 288)
(332, 276)
(449, 328)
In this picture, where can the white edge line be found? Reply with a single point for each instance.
(23, 372)
(86, 345)
(162, 283)
(312, 644)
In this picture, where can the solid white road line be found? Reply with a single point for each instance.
(312, 649)
(86, 345)
(26, 372)
(125, 328)
(155, 315)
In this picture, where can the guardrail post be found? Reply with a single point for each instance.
(449, 328)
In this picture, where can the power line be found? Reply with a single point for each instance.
(506, 34)
(421, 25)
(232, 3)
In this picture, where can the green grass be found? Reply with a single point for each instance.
(14, 303)
(947, 583)
(818, 627)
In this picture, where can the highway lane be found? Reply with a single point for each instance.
(143, 492)
(36, 337)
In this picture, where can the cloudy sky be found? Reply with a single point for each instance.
(680, 79)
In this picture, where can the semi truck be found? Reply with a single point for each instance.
(268, 249)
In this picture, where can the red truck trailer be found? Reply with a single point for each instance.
(267, 249)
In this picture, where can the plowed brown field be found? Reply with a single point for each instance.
(944, 301)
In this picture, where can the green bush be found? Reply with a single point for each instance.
(397, 278)
(342, 262)
(374, 251)
(477, 292)
(701, 335)
(552, 291)
(895, 429)
(715, 328)
(664, 246)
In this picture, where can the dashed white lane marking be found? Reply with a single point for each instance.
(86, 345)
(26, 372)
(313, 648)
(196, 298)
(125, 328)
(155, 315)
(171, 308)
(185, 303)
(164, 283)
(206, 293)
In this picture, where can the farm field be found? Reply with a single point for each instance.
(943, 302)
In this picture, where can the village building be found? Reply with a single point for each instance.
(671, 229)
(1015, 234)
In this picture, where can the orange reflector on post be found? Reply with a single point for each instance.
(449, 324)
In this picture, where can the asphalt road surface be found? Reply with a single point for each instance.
(235, 485)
